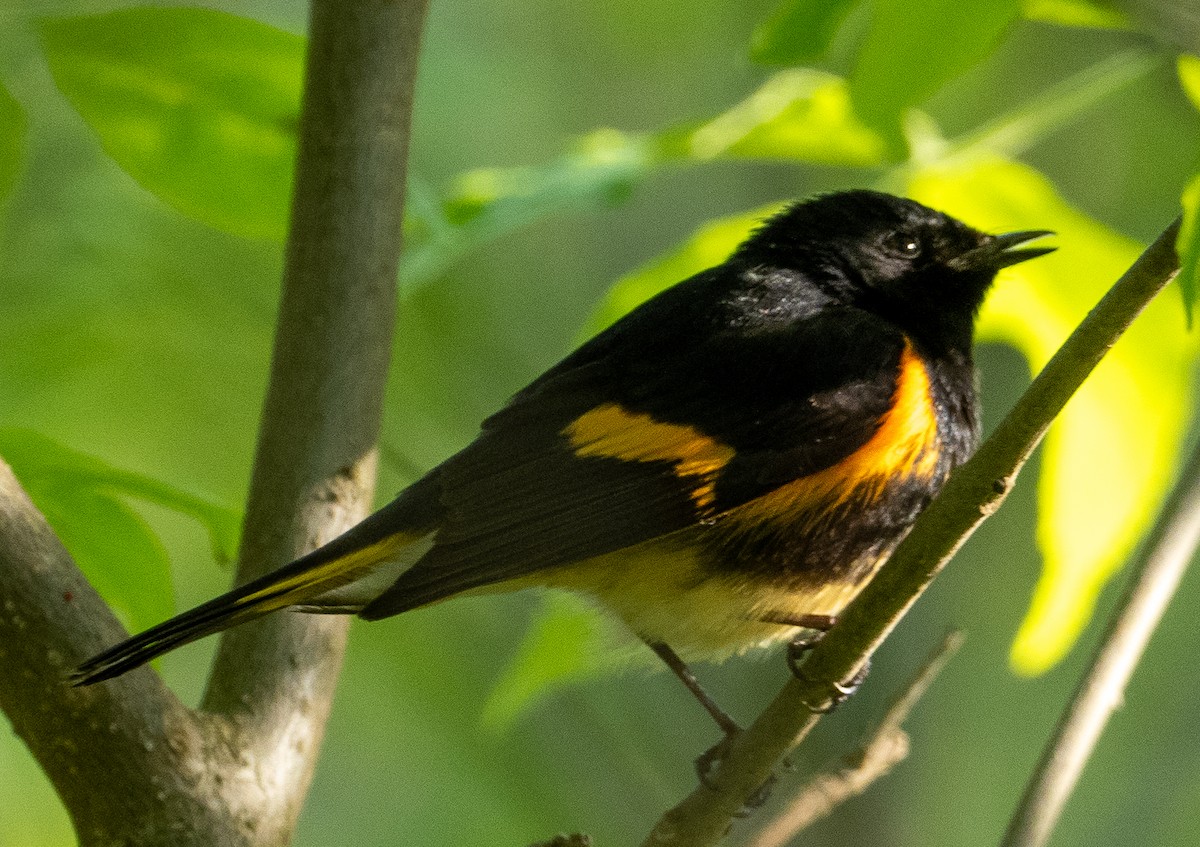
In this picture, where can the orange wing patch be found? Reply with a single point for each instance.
(904, 445)
(609, 431)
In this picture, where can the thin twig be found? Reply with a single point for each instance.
(1170, 548)
(972, 494)
(886, 746)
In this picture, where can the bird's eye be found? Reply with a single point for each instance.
(903, 244)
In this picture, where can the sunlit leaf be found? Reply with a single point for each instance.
(12, 139)
(1188, 247)
(82, 498)
(799, 31)
(914, 47)
(1131, 413)
(799, 115)
(1189, 77)
(1081, 13)
(1091, 513)
(198, 106)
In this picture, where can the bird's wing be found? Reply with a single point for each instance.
(622, 447)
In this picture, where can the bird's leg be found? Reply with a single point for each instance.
(815, 627)
(678, 667)
(706, 760)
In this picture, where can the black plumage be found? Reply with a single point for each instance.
(734, 457)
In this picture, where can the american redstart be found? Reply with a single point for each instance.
(723, 468)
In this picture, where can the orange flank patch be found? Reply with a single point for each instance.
(610, 431)
(904, 445)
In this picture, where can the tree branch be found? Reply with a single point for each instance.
(885, 747)
(131, 763)
(973, 493)
(134, 738)
(1170, 548)
(314, 472)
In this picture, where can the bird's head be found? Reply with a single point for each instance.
(919, 268)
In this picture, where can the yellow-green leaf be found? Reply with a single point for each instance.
(566, 643)
(1109, 458)
(797, 115)
(198, 106)
(914, 47)
(1188, 246)
(1189, 77)
(83, 499)
(487, 203)
(1080, 13)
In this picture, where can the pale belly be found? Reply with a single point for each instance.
(664, 594)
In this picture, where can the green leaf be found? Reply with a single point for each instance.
(1132, 411)
(1078, 13)
(1188, 247)
(1091, 514)
(798, 115)
(799, 31)
(82, 498)
(200, 107)
(1189, 77)
(488, 203)
(914, 47)
(118, 553)
(567, 642)
(12, 139)
(710, 245)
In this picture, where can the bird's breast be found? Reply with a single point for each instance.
(903, 453)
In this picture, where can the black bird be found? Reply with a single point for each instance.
(724, 467)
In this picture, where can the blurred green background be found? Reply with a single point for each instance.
(135, 334)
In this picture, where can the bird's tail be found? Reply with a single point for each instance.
(217, 614)
(340, 577)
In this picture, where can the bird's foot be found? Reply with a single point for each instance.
(708, 761)
(841, 691)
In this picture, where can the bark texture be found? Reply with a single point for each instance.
(132, 764)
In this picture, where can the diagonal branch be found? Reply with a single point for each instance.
(1169, 550)
(885, 747)
(973, 493)
(50, 619)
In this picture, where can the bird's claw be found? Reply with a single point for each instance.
(799, 646)
(707, 761)
(842, 691)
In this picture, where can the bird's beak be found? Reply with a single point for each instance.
(999, 248)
